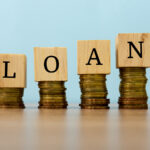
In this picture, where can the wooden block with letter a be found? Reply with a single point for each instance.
(133, 57)
(93, 65)
(12, 80)
(93, 56)
(51, 73)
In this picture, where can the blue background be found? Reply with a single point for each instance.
(25, 24)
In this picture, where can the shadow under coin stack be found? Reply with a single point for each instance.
(52, 94)
(133, 88)
(94, 91)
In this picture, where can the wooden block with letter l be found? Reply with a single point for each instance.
(133, 57)
(51, 73)
(12, 80)
(93, 65)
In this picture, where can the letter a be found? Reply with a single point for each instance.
(94, 58)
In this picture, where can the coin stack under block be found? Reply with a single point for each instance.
(52, 94)
(12, 80)
(132, 60)
(94, 91)
(93, 66)
(51, 74)
(133, 88)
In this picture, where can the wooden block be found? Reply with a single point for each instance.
(133, 50)
(93, 56)
(50, 63)
(12, 70)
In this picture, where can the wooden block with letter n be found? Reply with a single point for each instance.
(133, 57)
(133, 50)
(51, 73)
(12, 80)
(93, 65)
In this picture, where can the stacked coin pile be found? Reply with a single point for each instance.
(52, 94)
(133, 88)
(94, 91)
(11, 97)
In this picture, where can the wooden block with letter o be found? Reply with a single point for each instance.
(93, 56)
(50, 63)
(133, 50)
(12, 70)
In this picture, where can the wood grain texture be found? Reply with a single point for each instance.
(122, 50)
(74, 129)
(17, 65)
(40, 54)
(84, 50)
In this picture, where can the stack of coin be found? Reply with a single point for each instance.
(133, 88)
(11, 97)
(52, 94)
(94, 91)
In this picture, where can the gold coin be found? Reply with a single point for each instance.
(138, 106)
(11, 97)
(93, 91)
(52, 94)
(133, 87)
(93, 107)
